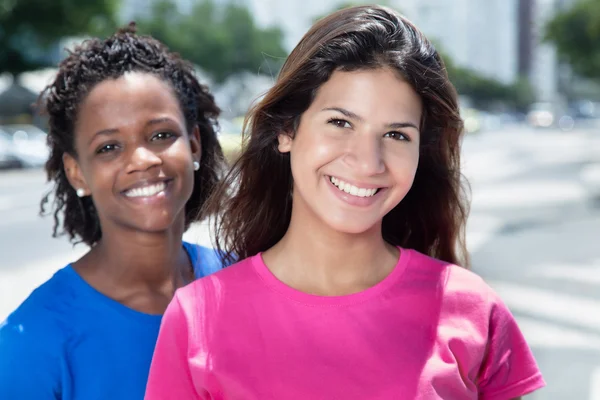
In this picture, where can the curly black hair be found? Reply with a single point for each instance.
(97, 60)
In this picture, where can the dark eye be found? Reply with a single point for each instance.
(397, 136)
(340, 123)
(107, 148)
(162, 136)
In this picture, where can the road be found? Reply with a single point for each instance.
(533, 234)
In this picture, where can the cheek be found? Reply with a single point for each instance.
(414, 159)
(314, 151)
(180, 161)
(101, 179)
(100, 175)
(180, 149)
(178, 158)
(403, 165)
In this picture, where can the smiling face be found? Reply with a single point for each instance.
(134, 154)
(356, 150)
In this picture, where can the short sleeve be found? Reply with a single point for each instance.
(170, 376)
(30, 367)
(509, 369)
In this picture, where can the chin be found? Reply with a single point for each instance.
(153, 225)
(351, 227)
(155, 228)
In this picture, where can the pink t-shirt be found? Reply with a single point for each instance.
(429, 330)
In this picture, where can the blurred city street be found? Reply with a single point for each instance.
(533, 235)
(527, 75)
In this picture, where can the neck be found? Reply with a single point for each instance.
(134, 258)
(315, 258)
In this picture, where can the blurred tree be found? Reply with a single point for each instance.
(486, 92)
(576, 34)
(481, 90)
(28, 28)
(221, 39)
(522, 94)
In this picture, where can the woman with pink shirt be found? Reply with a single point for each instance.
(349, 220)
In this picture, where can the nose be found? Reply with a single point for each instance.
(365, 155)
(142, 159)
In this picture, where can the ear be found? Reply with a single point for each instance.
(74, 174)
(284, 142)
(196, 144)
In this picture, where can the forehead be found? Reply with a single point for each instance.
(374, 92)
(131, 93)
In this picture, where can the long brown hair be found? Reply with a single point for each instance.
(430, 219)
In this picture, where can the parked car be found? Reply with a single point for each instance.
(28, 144)
(8, 159)
(550, 115)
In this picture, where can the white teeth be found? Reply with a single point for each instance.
(146, 191)
(351, 189)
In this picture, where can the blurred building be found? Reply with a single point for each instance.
(501, 39)
(546, 73)
(480, 34)
(294, 16)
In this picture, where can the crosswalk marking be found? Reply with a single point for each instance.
(549, 335)
(589, 275)
(595, 384)
(480, 229)
(562, 307)
(528, 194)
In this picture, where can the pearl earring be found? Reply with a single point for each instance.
(196, 165)
(80, 192)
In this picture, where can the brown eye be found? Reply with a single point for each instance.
(162, 136)
(340, 123)
(106, 148)
(397, 136)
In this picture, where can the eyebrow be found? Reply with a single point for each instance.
(350, 114)
(112, 131)
(160, 121)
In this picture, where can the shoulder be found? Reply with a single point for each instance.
(472, 312)
(205, 260)
(44, 310)
(458, 286)
(33, 338)
(229, 281)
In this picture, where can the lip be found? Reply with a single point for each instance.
(355, 200)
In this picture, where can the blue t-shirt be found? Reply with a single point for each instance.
(68, 341)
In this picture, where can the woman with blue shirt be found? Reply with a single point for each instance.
(134, 156)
